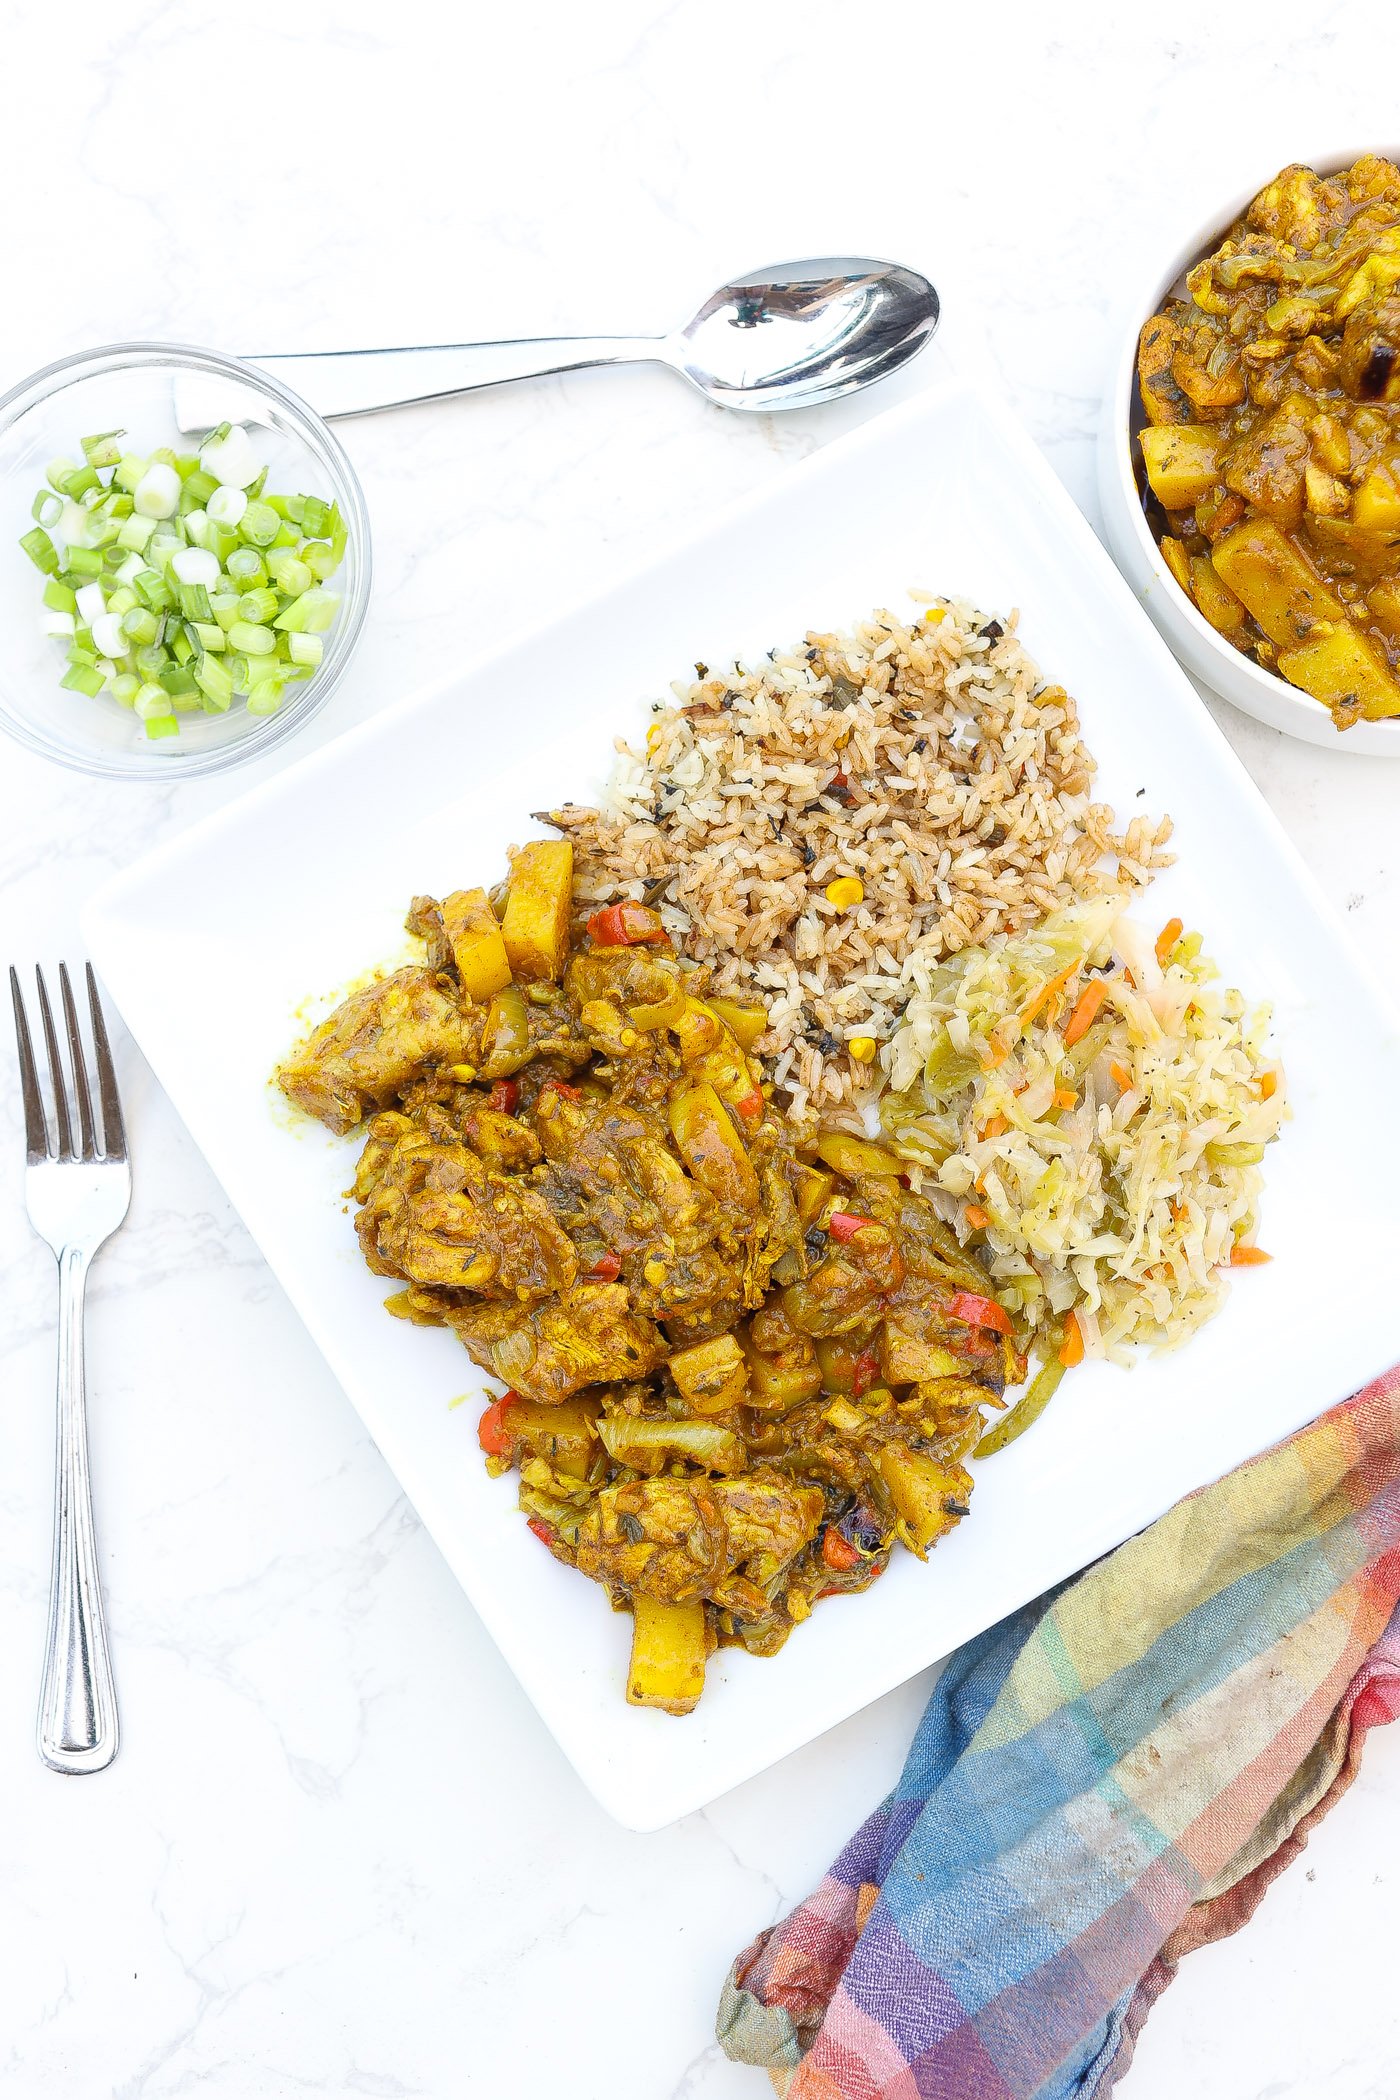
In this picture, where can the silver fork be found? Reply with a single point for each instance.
(77, 1196)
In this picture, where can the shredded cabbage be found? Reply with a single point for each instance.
(1117, 1174)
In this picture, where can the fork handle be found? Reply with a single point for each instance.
(78, 1702)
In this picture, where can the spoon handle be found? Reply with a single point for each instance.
(357, 382)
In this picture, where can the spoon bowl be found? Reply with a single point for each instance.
(805, 332)
(785, 337)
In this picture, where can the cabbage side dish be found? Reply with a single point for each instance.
(1271, 445)
(745, 1360)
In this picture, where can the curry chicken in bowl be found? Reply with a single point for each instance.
(1270, 438)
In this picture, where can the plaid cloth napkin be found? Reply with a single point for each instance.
(1107, 1779)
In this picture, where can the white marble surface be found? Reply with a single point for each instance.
(338, 1854)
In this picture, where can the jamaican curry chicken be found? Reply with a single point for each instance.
(737, 1370)
(1271, 446)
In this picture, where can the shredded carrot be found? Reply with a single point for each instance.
(1167, 939)
(1122, 1078)
(1047, 992)
(1086, 1006)
(1179, 1210)
(1248, 1257)
(1268, 1085)
(1072, 1347)
(976, 1217)
(994, 1127)
(980, 1184)
(1132, 981)
(1063, 1098)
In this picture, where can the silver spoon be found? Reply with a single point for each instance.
(785, 337)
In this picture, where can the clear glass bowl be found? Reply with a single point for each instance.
(134, 387)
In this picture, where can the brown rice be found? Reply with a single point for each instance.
(928, 760)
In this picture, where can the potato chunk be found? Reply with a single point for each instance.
(1182, 461)
(477, 946)
(535, 928)
(1277, 582)
(712, 1375)
(928, 1496)
(668, 1654)
(1376, 505)
(1339, 667)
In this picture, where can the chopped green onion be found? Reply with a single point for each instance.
(315, 517)
(82, 678)
(153, 590)
(56, 474)
(124, 688)
(129, 471)
(158, 491)
(181, 647)
(42, 551)
(258, 606)
(221, 540)
(224, 606)
(122, 599)
(320, 558)
(215, 684)
(102, 450)
(251, 639)
(259, 524)
(311, 613)
(58, 597)
(210, 635)
(245, 566)
(177, 678)
(81, 482)
(151, 700)
(305, 648)
(60, 626)
(84, 561)
(226, 506)
(158, 726)
(194, 602)
(264, 696)
(152, 660)
(46, 509)
(140, 626)
(135, 532)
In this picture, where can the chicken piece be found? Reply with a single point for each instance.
(1290, 207)
(1161, 396)
(438, 1215)
(842, 1291)
(378, 1040)
(682, 1539)
(588, 1335)
(1267, 467)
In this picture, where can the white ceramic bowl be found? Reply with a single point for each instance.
(1236, 678)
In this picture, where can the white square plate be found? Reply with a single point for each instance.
(213, 943)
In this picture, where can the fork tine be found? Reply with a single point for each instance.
(113, 1129)
(60, 1091)
(75, 1052)
(36, 1134)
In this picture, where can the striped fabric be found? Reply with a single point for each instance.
(1104, 1781)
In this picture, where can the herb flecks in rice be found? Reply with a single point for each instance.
(930, 760)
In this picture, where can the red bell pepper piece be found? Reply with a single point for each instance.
(845, 1224)
(625, 926)
(504, 1097)
(543, 1532)
(838, 1552)
(562, 1086)
(606, 1269)
(491, 1431)
(980, 1312)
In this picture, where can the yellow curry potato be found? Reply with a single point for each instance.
(668, 1655)
(1271, 575)
(922, 1490)
(1177, 559)
(711, 1146)
(478, 949)
(1376, 504)
(1338, 666)
(535, 928)
(711, 1376)
(1217, 602)
(1182, 461)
